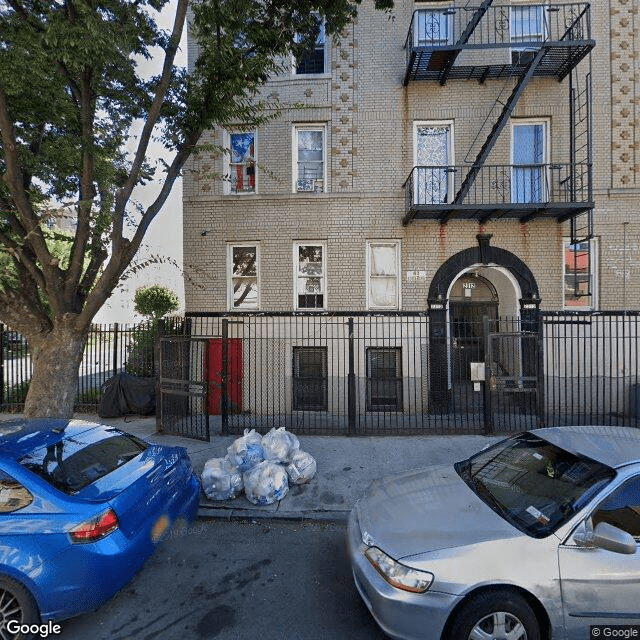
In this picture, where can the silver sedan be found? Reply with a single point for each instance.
(533, 538)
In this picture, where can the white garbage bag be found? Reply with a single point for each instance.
(265, 483)
(245, 452)
(221, 479)
(279, 445)
(301, 468)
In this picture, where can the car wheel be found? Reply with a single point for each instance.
(16, 605)
(496, 615)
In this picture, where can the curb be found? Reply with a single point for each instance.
(238, 514)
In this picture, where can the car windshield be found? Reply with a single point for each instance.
(73, 463)
(533, 484)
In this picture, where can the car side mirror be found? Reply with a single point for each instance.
(608, 537)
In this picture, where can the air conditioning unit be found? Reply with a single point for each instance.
(310, 185)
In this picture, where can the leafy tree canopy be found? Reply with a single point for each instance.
(155, 301)
(72, 91)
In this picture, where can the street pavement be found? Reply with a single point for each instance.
(345, 467)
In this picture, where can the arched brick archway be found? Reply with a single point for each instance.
(484, 254)
(449, 271)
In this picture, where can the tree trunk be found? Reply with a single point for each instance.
(56, 359)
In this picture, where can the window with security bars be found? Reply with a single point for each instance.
(310, 379)
(384, 379)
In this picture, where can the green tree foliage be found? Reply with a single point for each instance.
(155, 301)
(71, 91)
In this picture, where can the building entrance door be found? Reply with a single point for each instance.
(468, 335)
(472, 298)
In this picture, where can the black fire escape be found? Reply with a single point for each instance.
(513, 46)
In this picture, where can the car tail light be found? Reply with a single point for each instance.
(96, 528)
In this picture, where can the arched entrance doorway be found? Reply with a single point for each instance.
(481, 289)
(472, 299)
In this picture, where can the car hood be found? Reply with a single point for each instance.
(427, 510)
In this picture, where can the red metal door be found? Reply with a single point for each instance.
(214, 368)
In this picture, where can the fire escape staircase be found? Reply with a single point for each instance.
(495, 132)
(446, 59)
(556, 57)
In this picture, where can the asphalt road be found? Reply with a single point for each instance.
(238, 581)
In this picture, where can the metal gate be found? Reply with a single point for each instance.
(512, 402)
(182, 387)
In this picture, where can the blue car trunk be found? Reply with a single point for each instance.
(138, 490)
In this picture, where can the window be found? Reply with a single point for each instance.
(533, 484)
(384, 379)
(309, 154)
(528, 26)
(310, 381)
(241, 163)
(433, 28)
(529, 158)
(243, 277)
(433, 159)
(72, 464)
(622, 508)
(314, 59)
(579, 274)
(383, 268)
(13, 496)
(310, 276)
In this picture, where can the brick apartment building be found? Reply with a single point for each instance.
(459, 160)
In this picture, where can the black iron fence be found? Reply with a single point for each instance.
(362, 373)
(349, 373)
(110, 349)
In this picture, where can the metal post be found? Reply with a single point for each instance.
(2, 354)
(157, 348)
(488, 379)
(540, 373)
(115, 348)
(351, 381)
(224, 378)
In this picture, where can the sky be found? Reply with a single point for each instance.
(164, 236)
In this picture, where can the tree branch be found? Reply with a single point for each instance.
(15, 180)
(87, 189)
(124, 193)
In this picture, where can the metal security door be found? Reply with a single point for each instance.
(182, 387)
(513, 365)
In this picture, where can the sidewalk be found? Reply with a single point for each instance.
(345, 467)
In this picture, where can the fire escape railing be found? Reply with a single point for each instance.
(437, 38)
(518, 190)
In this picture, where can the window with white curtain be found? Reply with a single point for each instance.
(383, 270)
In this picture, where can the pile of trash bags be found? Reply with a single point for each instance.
(261, 466)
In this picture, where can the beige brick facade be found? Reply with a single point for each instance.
(369, 119)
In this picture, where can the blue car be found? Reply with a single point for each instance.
(82, 507)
